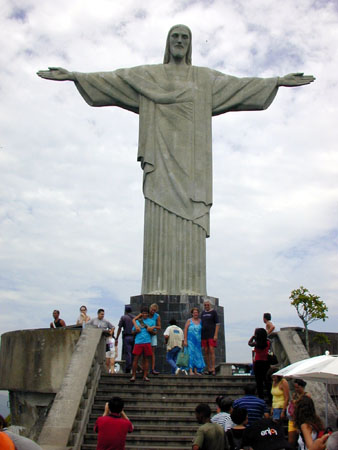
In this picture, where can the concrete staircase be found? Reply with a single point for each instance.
(161, 411)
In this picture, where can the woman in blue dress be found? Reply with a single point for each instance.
(192, 340)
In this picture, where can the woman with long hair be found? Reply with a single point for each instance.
(308, 423)
(299, 392)
(192, 340)
(261, 364)
(83, 317)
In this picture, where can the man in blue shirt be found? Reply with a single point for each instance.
(256, 407)
(142, 344)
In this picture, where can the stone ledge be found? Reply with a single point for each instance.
(60, 420)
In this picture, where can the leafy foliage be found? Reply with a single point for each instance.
(309, 308)
(322, 339)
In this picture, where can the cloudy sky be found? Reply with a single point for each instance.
(71, 205)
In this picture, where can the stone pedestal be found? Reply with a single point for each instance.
(178, 307)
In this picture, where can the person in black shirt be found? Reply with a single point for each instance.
(210, 329)
(57, 322)
(265, 434)
(239, 417)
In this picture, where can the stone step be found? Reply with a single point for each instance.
(181, 379)
(158, 400)
(164, 383)
(159, 430)
(140, 420)
(155, 386)
(130, 446)
(158, 386)
(151, 439)
(148, 388)
(162, 409)
(164, 429)
(150, 447)
(172, 393)
(155, 383)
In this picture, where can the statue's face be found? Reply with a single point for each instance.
(179, 42)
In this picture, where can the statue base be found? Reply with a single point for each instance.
(178, 307)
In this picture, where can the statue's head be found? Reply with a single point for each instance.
(178, 44)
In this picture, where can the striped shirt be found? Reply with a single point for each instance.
(255, 406)
(224, 420)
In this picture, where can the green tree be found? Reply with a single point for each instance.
(309, 309)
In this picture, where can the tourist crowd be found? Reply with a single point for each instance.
(139, 335)
(250, 422)
(243, 424)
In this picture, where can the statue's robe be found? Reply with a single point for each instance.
(175, 154)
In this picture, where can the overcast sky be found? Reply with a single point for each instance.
(71, 203)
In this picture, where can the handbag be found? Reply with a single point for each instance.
(183, 358)
(290, 410)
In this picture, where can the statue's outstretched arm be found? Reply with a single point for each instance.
(56, 74)
(295, 79)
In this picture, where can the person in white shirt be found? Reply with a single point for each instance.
(174, 338)
(224, 409)
(101, 322)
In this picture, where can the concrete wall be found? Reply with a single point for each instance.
(33, 364)
(317, 344)
(36, 360)
(76, 395)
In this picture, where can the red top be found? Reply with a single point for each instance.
(112, 432)
(261, 354)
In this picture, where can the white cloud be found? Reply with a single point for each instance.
(71, 211)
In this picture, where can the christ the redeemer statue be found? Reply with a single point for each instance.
(175, 102)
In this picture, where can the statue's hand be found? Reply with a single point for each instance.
(56, 74)
(295, 79)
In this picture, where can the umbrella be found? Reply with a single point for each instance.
(319, 368)
(322, 368)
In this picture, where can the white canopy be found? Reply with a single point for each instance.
(322, 368)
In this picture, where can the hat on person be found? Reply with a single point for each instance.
(265, 434)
